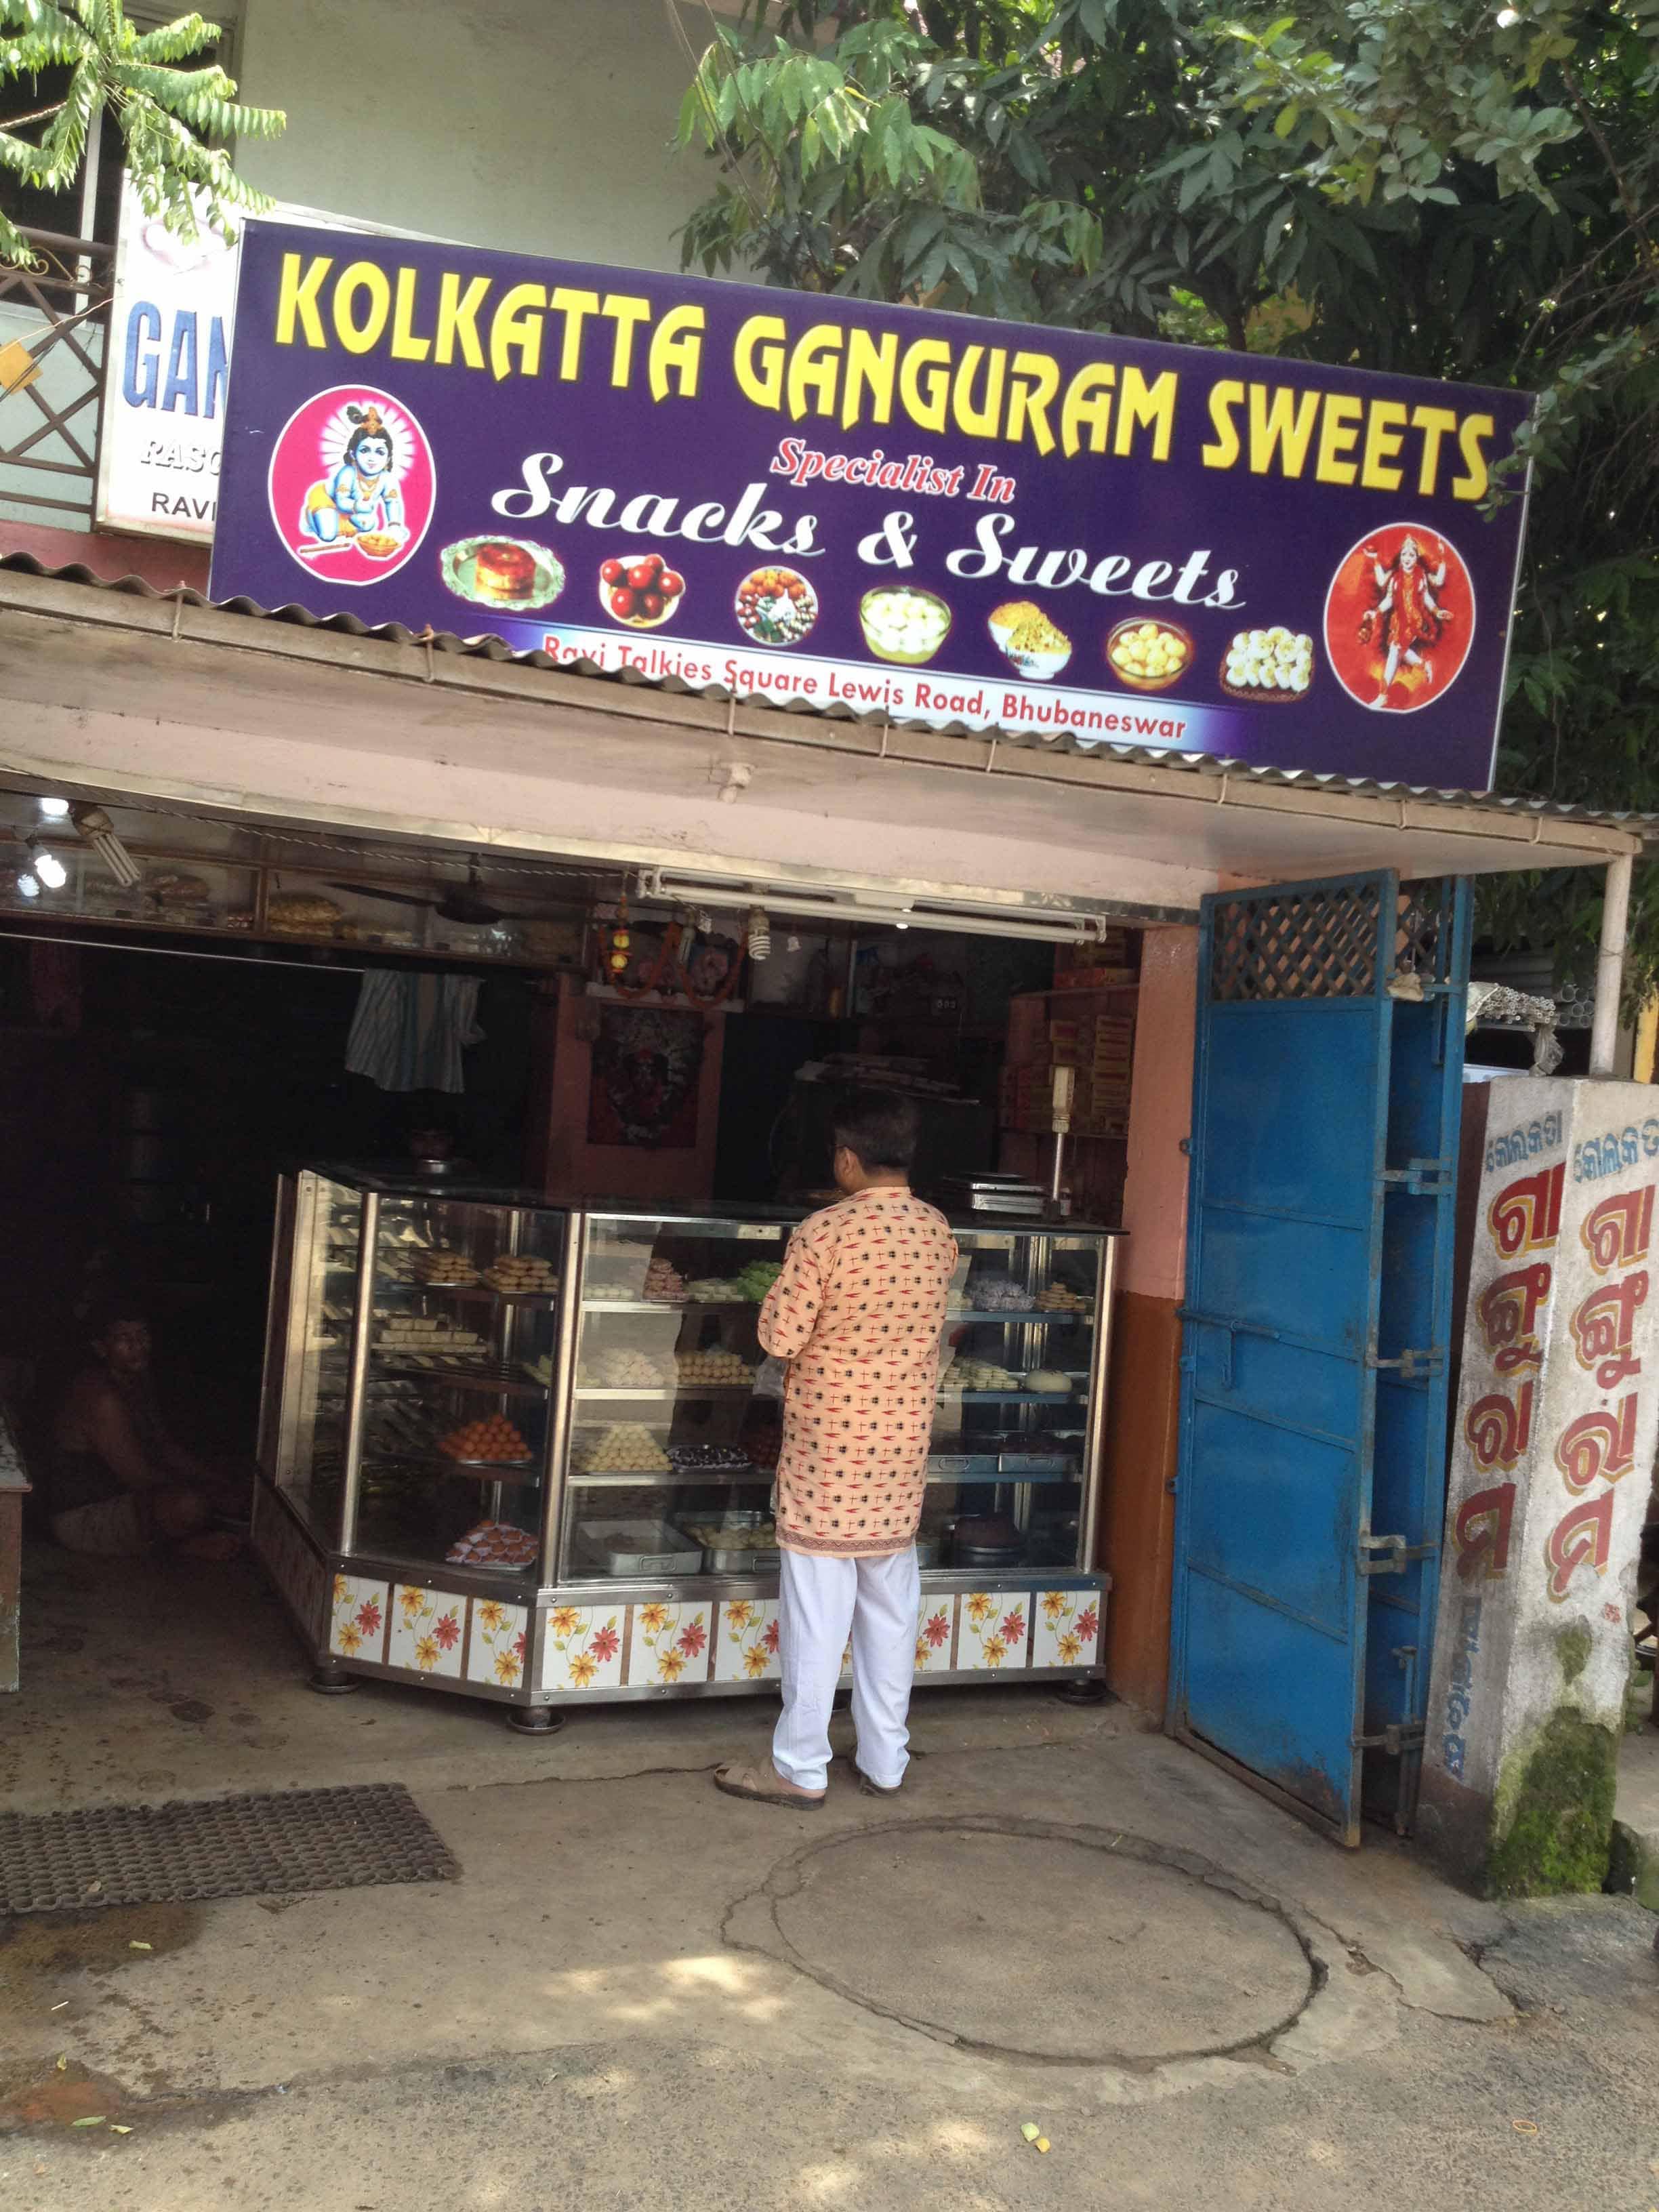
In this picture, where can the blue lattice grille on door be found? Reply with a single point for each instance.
(1305, 945)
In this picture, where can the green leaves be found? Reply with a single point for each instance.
(1409, 183)
(167, 115)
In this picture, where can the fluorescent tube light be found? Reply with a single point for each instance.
(839, 902)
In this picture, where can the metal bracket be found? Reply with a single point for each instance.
(1411, 1365)
(1398, 1554)
(1231, 1328)
(1399, 1736)
(1421, 1179)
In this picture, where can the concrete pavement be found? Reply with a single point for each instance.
(642, 1994)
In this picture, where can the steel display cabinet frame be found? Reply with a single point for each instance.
(369, 1598)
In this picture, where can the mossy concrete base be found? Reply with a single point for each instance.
(1553, 1820)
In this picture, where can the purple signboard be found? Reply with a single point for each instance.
(812, 500)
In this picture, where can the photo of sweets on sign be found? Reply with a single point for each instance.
(820, 500)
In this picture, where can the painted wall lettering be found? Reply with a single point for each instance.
(1603, 1325)
(1526, 1216)
(1598, 1447)
(1617, 1233)
(1499, 1429)
(1481, 1532)
(1615, 1150)
(1581, 1537)
(1508, 1150)
(1508, 1311)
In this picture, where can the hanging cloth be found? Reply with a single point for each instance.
(410, 1027)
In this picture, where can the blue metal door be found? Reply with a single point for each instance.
(1414, 1326)
(1329, 1057)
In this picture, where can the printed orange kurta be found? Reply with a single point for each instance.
(858, 1313)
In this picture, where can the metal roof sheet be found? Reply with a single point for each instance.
(488, 647)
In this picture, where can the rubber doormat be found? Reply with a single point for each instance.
(293, 1839)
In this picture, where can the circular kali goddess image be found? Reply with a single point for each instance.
(352, 484)
(1399, 618)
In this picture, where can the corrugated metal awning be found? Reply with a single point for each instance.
(1173, 823)
(492, 649)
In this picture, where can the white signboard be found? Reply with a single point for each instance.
(167, 369)
(165, 378)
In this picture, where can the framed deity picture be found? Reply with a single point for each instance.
(647, 1063)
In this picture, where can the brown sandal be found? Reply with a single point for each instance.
(869, 1789)
(761, 1786)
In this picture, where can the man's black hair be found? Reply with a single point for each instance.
(878, 1127)
(109, 1310)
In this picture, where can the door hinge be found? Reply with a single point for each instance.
(1412, 1365)
(1398, 1736)
(1396, 1554)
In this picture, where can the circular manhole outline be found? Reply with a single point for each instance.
(785, 1881)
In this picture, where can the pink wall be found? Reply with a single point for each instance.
(567, 1165)
(1160, 1116)
(110, 554)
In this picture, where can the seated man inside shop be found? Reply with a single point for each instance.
(857, 1314)
(117, 1482)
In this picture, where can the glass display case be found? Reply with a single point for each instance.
(527, 1451)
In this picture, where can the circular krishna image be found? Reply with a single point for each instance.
(352, 484)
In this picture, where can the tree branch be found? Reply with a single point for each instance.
(1587, 113)
(9, 123)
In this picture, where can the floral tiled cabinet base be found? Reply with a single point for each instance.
(357, 1628)
(936, 1632)
(496, 1648)
(746, 1640)
(582, 1647)
(994, 1631)
(427, 1629)
(1066, 1628)
(669, 1643)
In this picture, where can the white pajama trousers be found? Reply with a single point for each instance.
(821, 1601)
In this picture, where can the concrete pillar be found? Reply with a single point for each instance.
(1556, 1414)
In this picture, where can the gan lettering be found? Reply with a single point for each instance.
(183, 371)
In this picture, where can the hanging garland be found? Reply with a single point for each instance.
(668, 971)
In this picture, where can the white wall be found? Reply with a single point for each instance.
(543, 127)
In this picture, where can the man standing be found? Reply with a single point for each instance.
(859, 1315)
